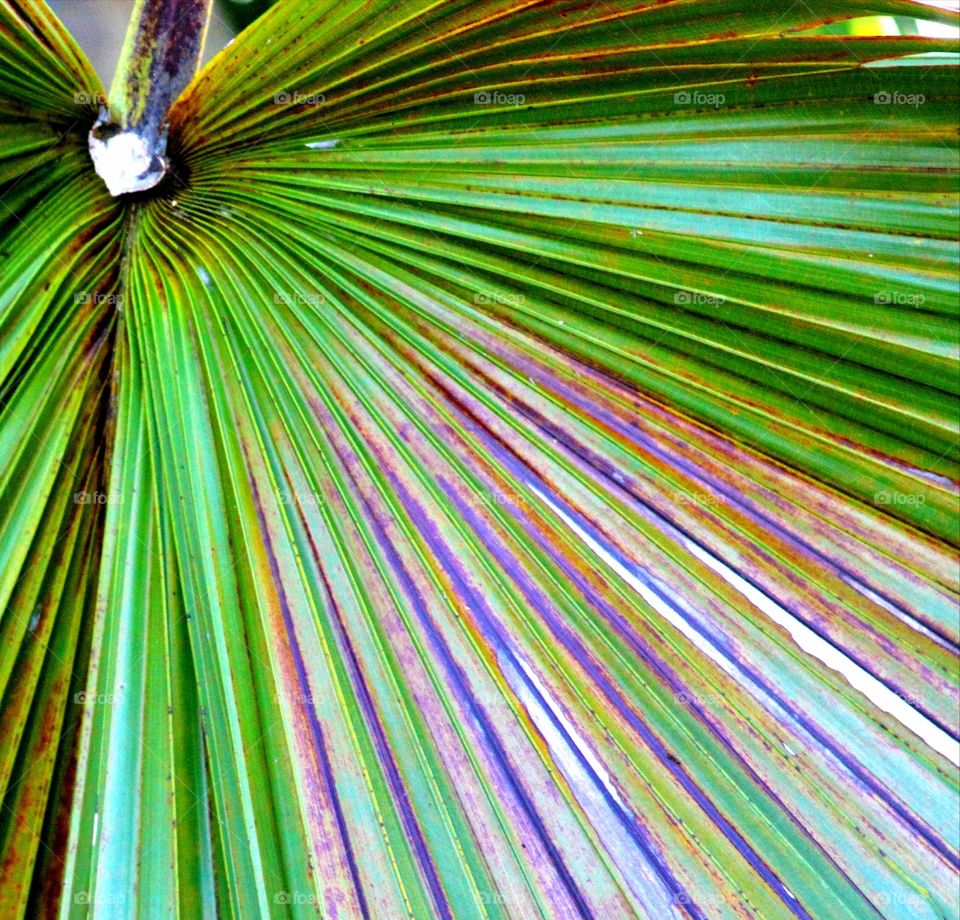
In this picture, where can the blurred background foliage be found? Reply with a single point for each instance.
(99, 26)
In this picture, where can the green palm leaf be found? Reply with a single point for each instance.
(508, 468)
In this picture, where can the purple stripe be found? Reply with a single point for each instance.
(637, 437)
(643, 441)
(315, 729)
(456, 675)
(667, 525)
(374, 724)
(848, 761)
(533, 594)
(522, 472)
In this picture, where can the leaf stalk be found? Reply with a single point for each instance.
(160, 56)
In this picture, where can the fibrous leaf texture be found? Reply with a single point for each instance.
(508, 469)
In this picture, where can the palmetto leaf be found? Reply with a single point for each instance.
(509, 469)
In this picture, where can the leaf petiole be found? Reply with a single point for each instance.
(160, 56)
